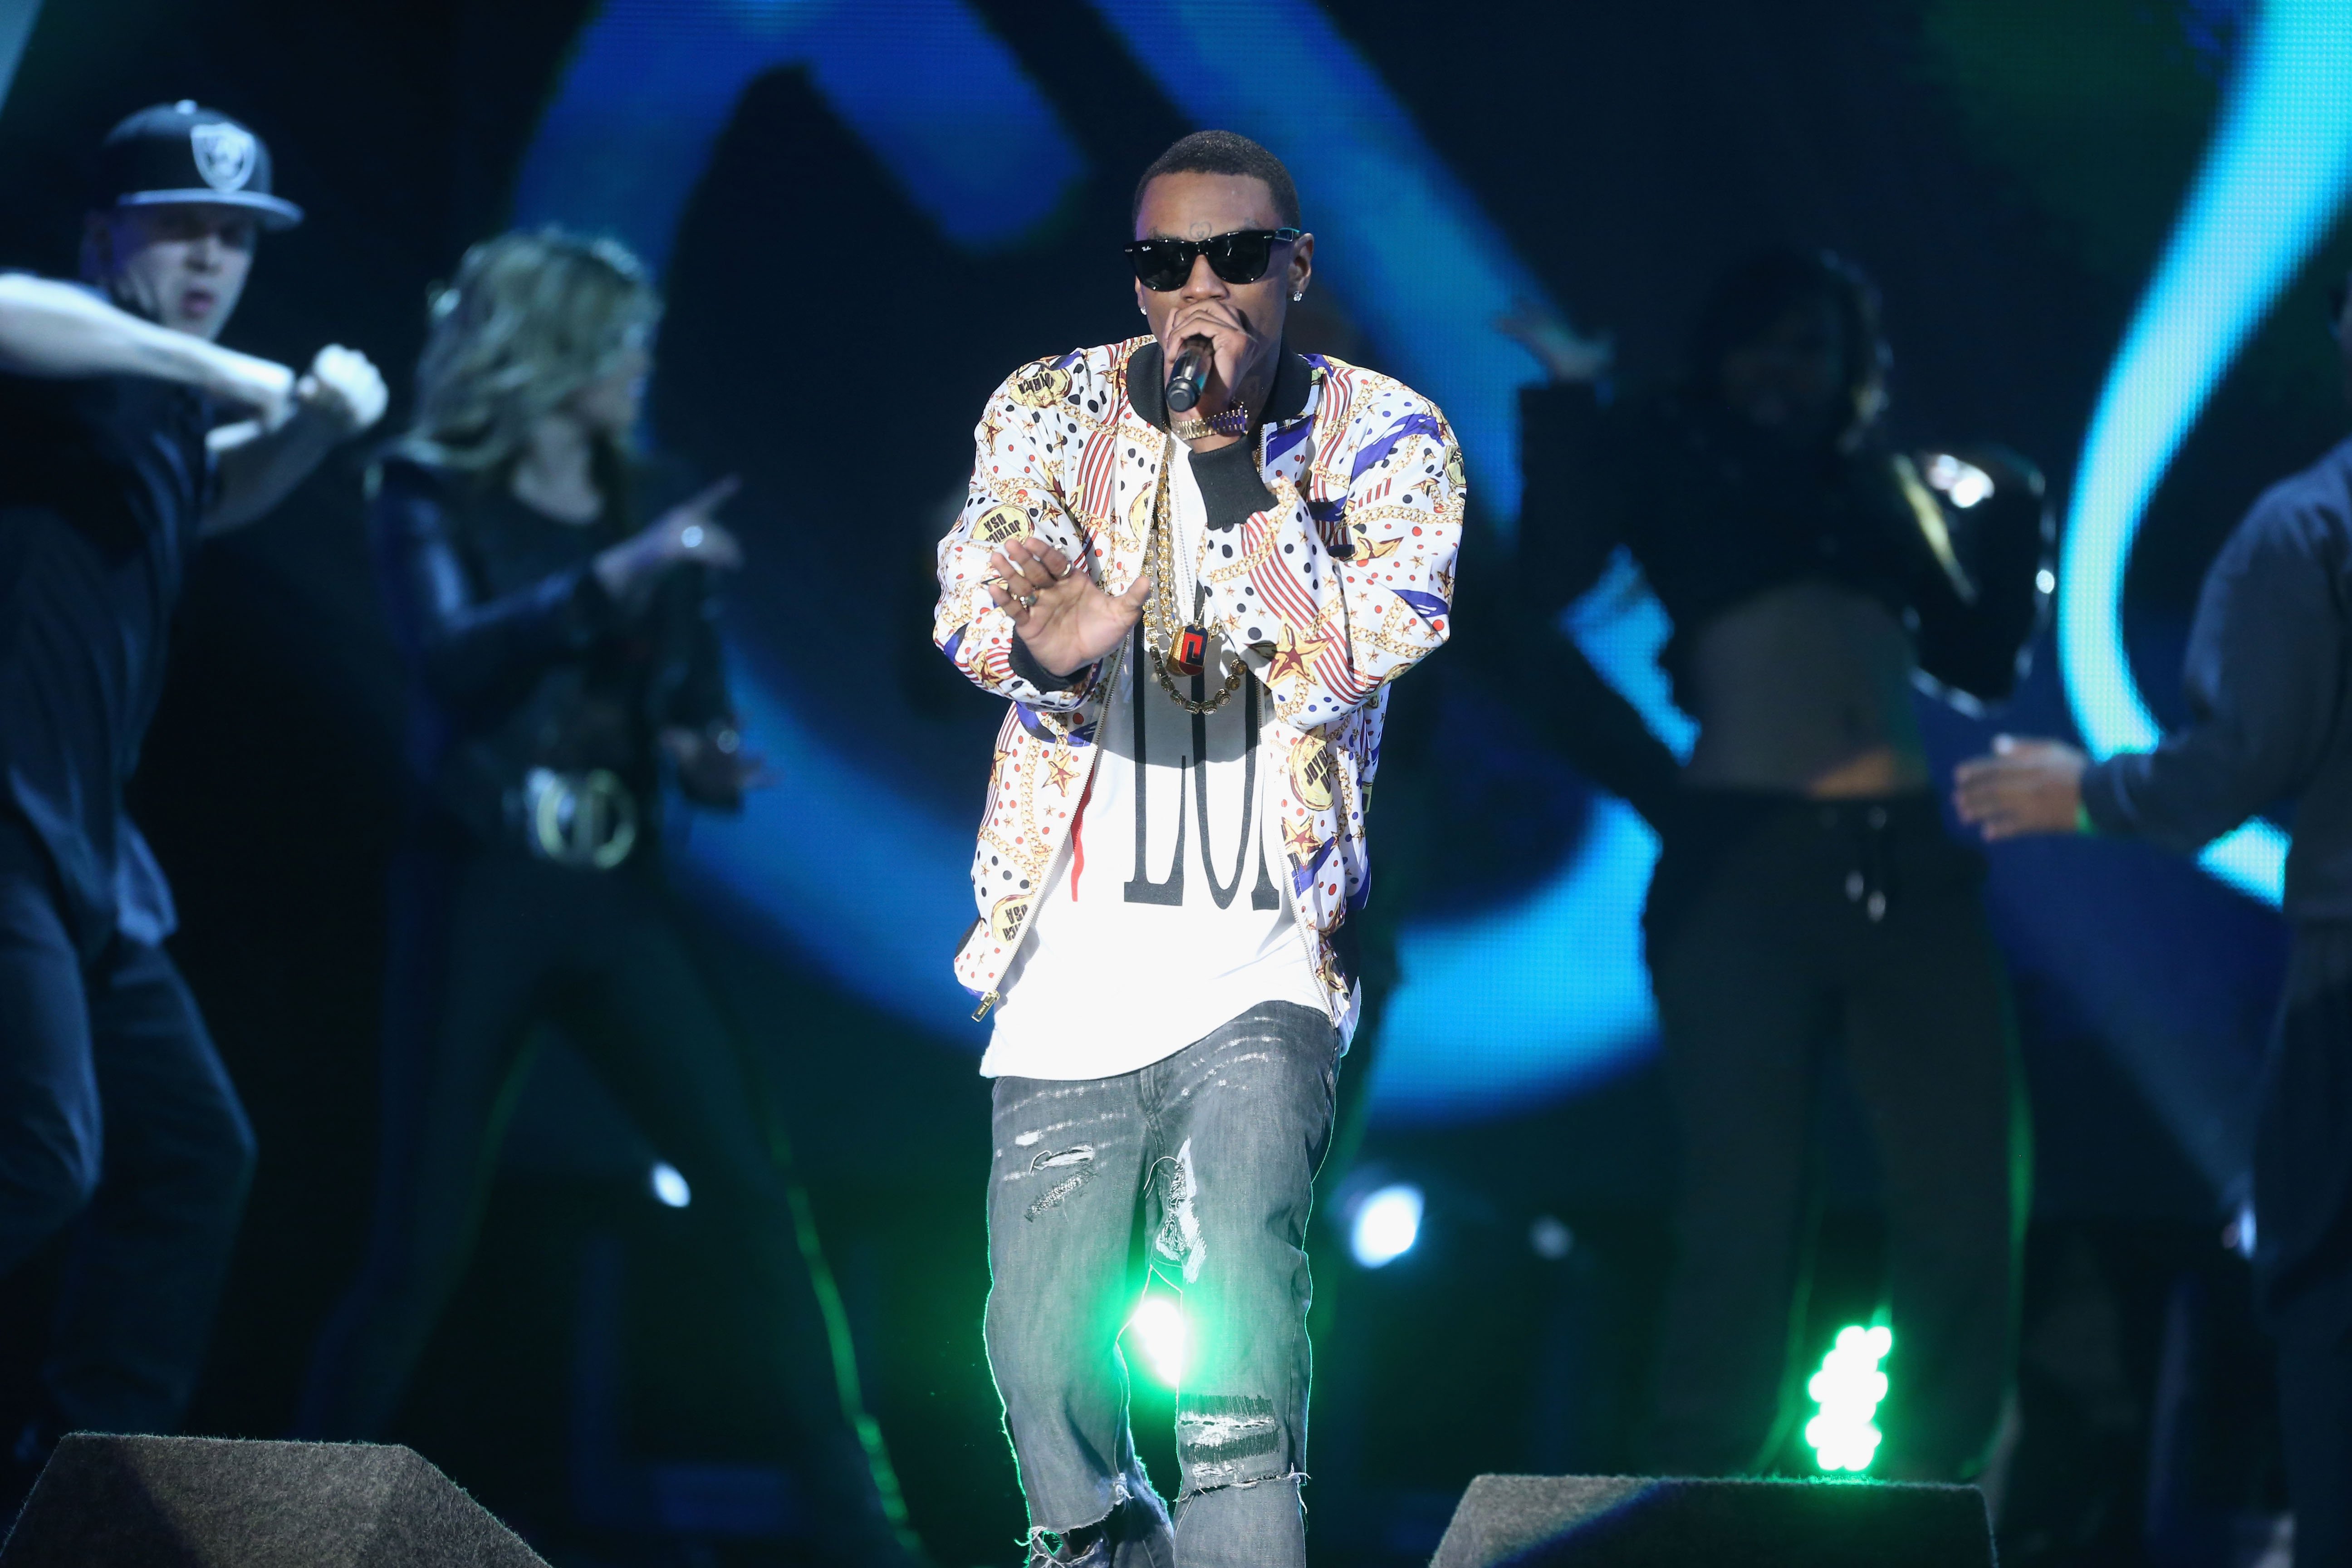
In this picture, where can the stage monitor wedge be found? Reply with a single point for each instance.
(207, 1502)
(1633, 1522)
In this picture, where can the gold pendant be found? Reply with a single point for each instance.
(1190, 650)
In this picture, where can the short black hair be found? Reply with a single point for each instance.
(1224, 153)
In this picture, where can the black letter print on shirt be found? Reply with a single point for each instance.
(1141, 888)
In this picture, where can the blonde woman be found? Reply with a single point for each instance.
(562, 659)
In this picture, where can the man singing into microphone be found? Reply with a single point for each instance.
(1194, 615)
(126, 433)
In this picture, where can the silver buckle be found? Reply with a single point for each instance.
(586, 820)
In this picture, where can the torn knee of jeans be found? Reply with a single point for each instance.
(1227, 1440)
(1082, 1545)
(1088, 1546)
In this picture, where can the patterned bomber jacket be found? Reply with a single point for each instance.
(1340, 579)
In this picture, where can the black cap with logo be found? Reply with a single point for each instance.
(177, 152)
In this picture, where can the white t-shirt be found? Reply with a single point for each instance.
(1168, 909)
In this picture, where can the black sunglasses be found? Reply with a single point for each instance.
(1240, 256)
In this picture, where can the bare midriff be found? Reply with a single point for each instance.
(1805, 689)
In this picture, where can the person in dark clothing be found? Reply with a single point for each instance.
(564, 665)
(2269, 683)
(126, 435)
(1807, 893)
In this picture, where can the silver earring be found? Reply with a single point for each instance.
(1298, 295)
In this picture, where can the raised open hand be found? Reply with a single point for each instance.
(1564, 356)
(1061, 617)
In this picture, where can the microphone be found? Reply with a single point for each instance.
(1189, 374)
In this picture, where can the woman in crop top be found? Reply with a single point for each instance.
(1807, 896)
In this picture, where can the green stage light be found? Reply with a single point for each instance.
(1158, 1331)
(1848, 1389)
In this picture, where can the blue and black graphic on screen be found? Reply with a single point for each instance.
(864, 216)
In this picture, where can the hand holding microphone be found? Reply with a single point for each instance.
(1189, 374)
(1213, 355)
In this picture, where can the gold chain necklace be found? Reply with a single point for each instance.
(1182, 647)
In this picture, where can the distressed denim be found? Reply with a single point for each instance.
(1198, 1168)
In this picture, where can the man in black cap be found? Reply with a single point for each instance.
(116, 1118)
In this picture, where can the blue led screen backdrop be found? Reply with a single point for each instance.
(865, 215)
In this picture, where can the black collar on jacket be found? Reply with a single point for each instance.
(1146, 387)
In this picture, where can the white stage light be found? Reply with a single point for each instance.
(1387, 1222)
(669, 1186)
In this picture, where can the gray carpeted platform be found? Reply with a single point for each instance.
(1621, 1522)
(205, 1502)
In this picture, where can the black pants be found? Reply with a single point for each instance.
(488, 944)
(1778, 927)
(117, 1120)
(2302, 1256)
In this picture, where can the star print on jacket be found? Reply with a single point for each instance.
(1339, 585)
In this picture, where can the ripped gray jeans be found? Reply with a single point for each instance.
(1200, 1167)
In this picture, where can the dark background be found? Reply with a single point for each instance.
(2007, 170)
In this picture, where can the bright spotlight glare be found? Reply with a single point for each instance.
(669, 1187)
(2046, 580)
(1159, 1331)
(1848, 1389)
(1387, 1222)
(1965, 483)
(2238, 1237)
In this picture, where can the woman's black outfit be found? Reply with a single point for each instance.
(535, 695)
(1778, 923)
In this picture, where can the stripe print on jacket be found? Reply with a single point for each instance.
(1341, 584)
